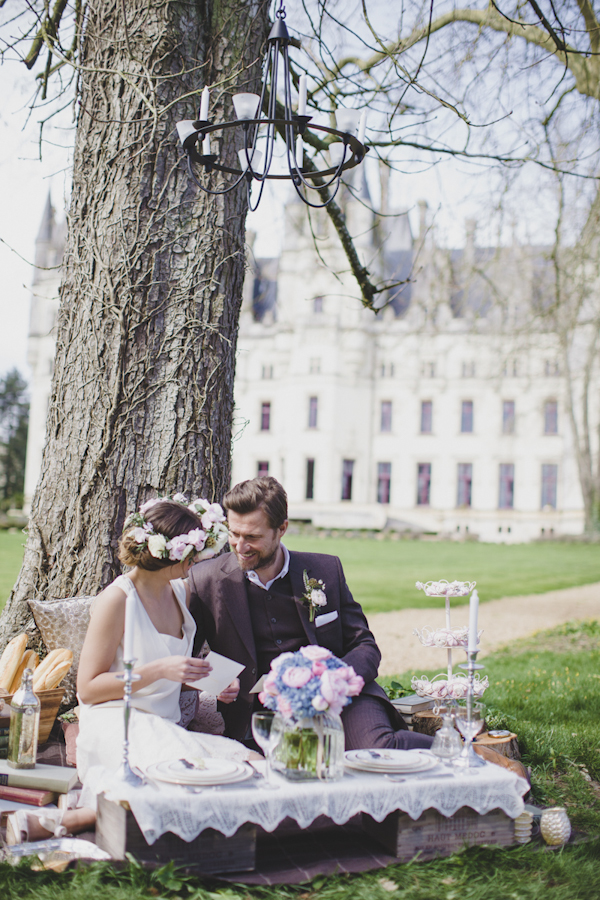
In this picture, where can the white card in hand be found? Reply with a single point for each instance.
(224, 670)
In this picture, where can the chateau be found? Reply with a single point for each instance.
(442, 413)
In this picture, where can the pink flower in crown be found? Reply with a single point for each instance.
(149, 504)
(212, 515)
(318, 667)
(297, 676)
(285, 707)
(314, 652)
(179, 545)
(180, 498)
(139, 535)
(197, 537)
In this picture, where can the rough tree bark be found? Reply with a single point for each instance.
(143, 385)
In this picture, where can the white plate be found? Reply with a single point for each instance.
(406, 760)
(193, 778)
(359, 767)
(211, 766)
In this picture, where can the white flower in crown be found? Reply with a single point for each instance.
(157, 545)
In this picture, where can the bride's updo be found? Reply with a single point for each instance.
(169, 519)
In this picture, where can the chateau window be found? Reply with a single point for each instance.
(315, 365)
(347, 472)
(549, 484)
(465, 480)
(386, 415)
(468, 369)
(506, 498)
(384, 482)
(508, 417)
(466, 417)
(423, 483)
(310, 479)
(313, 411)
(551, 368)
(551, 417)
(426, 416)
(265, 417)
(428, 369)
(267, 373)
(317, 305)
(262, 468)
(387, 370)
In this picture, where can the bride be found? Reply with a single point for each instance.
(161, 542)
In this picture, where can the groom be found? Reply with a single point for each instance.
(248, 606)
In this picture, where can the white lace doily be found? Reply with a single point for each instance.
(163, 808)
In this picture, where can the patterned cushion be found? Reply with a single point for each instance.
(63, 624)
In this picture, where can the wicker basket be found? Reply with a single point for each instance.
(50, 702)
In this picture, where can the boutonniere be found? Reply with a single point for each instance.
(314, 595)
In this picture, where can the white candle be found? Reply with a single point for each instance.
(362, 126)
(204, 105)
(302, 86)
(299, 151)
(206, 146)
(473, 610)
(128, 653)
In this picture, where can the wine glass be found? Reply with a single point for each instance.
(267, 730)
(469, 718)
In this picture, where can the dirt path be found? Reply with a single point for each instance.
(502, 621)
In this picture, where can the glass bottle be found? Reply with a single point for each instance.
(24, 725)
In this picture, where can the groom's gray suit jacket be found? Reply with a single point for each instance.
(219, 604)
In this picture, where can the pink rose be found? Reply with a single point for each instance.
(149, 504)
(285, 707)
(139, 535)
(279, 659)
(318, 667)
(196, 537)
(269, 684)
(354, 682)
(314, 652)
(262, 697)
(297, 676)
(334, 689)
(319, 703)
(179, 545)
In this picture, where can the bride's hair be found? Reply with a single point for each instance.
(167, 517)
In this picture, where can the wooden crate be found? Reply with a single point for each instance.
(50, 703)
(118, 833)
(434, 835)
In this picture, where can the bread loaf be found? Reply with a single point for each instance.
(11, 659)
(55, 660)
(56, 675)
(30, 660)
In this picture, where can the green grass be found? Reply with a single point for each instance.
(382, 574)
(548, 691)
(11, 556)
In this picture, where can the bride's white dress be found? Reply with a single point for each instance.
(154, 734)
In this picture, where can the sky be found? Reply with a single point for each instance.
(454, 191)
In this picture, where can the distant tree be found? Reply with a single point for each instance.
(14, 418)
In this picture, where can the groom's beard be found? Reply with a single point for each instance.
(257, 561)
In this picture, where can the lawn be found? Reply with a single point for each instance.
(548, 691)
(382, 574)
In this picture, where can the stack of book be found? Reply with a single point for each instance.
(35, 787)
(411, 704)
(4, 723)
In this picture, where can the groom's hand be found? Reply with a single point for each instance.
(230, 693)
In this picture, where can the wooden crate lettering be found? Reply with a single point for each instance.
(435, 835)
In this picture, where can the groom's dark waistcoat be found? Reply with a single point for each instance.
(220, 604)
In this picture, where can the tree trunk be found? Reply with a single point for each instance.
(142, 393)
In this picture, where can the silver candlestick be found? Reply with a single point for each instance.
(125, 772)
(468, 758)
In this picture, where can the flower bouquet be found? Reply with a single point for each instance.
(309, 689)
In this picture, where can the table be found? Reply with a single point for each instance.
(232, 812)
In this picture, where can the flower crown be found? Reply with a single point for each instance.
(203, 542)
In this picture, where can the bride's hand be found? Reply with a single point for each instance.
(184, 668)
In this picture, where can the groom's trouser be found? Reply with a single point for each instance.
(367, 724)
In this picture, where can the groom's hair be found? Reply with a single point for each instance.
(259, 493)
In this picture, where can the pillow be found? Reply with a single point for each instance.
(63, 624)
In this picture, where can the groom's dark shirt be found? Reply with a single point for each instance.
(222, 603)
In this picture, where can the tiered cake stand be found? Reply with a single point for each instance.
(450, 686)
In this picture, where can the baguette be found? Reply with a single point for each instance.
(30, 660)
(54, 658)
(56, 675)
(10, 660)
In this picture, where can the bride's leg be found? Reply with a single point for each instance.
(28, 826)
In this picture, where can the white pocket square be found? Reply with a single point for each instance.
(326, 618)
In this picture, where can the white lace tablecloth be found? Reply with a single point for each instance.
(162, 808)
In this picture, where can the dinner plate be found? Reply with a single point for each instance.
(198, 777)
(414, 764)
(212, 766)
(380, 770)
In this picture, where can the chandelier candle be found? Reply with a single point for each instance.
(473, 612)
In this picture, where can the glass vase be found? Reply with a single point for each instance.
(311, 749)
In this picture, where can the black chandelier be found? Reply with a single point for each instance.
(346, 151)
